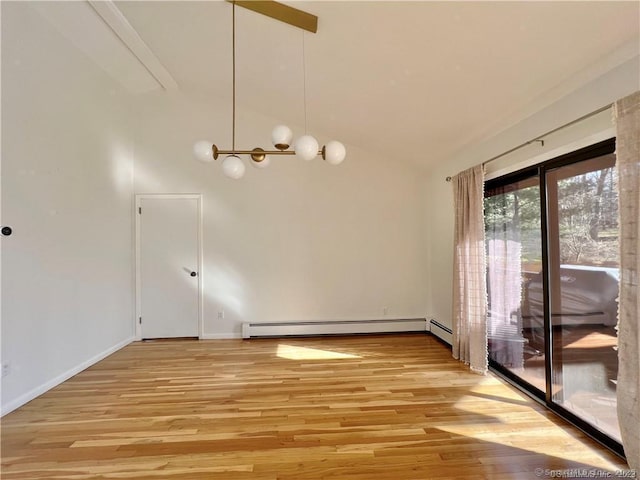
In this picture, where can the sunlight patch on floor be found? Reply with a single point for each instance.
(292, 352)
(548, 442)
(591, 341)
(513, 432)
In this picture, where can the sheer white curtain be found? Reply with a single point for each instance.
(504, 322)
(469, 271)
(628, 166)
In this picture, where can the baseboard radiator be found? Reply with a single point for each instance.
(441, 331)
(341, 327)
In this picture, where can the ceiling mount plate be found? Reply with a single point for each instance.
(282, 12)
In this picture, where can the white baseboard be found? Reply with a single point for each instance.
(36, 392)
(219, 336)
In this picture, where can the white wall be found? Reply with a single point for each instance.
(67, 192)
(298, 241)
(295, 241)
(619, 81)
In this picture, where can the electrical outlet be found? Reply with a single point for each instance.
(385, 311)
(221, 314)
(6, 369)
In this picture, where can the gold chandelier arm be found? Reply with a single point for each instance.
(257, 152)
(250, 152)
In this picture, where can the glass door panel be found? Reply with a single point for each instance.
(583, 273)
(515, 320)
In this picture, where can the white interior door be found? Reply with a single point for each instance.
(168, 236)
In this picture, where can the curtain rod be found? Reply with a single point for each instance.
(539, 138)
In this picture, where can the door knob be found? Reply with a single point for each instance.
(193, 274)
(6, 231)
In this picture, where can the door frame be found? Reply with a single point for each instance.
(138, 205)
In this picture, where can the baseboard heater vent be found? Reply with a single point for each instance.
(441, 331)
(341, 327)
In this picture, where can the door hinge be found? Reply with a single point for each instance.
(140, 320)
(140, 210)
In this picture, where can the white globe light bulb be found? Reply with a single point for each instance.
(334, 152)
(306, 147)
(203, 151)
(233, 167)
(281, 137)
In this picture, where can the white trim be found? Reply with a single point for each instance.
(138, 204)
(200, 268)
(36, 392)
(113, 17)
(136, 325)
(220, 336)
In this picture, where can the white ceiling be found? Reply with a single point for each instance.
(413, 80)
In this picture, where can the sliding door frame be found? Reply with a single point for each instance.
(546, 397)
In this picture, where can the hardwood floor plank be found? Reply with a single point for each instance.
(353, 408)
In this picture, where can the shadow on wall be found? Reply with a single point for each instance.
(226, 287)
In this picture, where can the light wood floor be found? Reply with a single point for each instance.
(358, 408)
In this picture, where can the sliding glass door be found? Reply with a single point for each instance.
(552, 276)
(514, 263)
(583, 267)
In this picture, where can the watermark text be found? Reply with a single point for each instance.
(583, 473)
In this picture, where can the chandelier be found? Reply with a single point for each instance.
(305, 147)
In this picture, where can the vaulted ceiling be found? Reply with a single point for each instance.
(414, 81)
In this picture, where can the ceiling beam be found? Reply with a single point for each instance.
(281, 12)
(129, 36)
